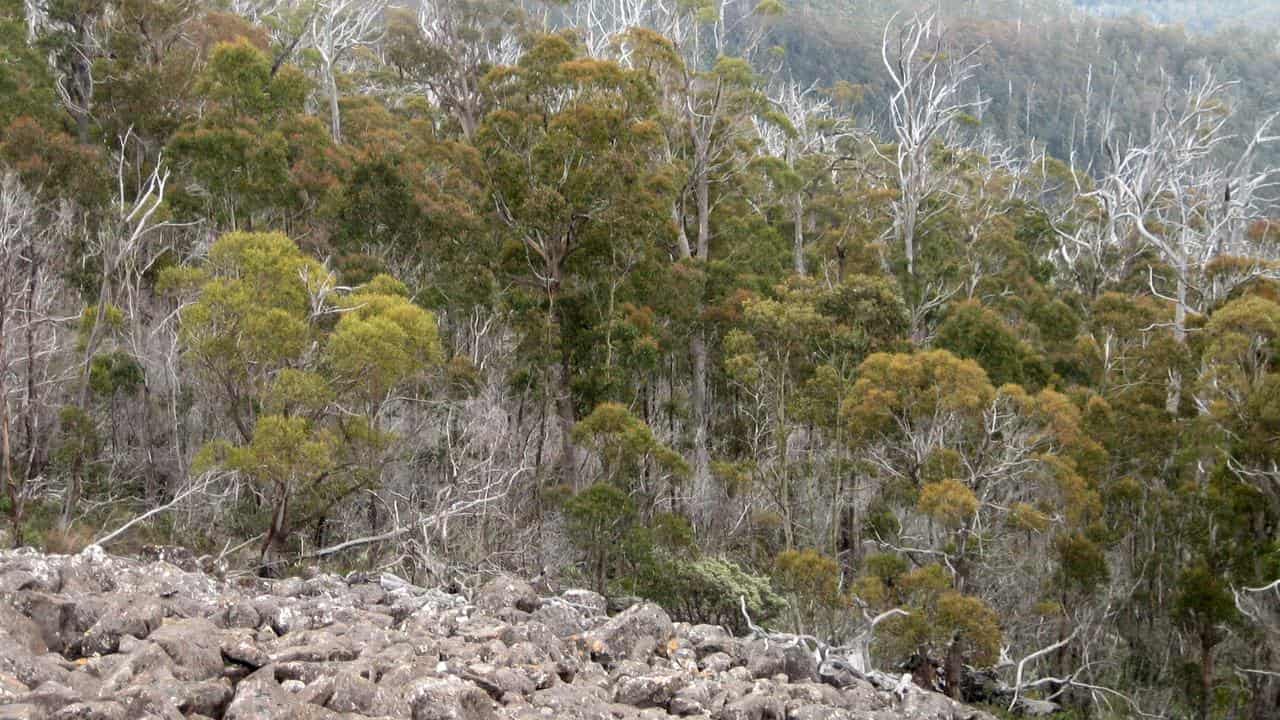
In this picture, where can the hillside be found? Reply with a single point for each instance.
(1050, 76)
(611, 294)
(1195, 15)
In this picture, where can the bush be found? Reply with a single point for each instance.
(811, 582)
(707, 590)
(974, 332)
(599, 520)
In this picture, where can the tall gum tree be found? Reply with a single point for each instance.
(308, 396)
(978, 480)
(705, 55)
(569, 155)
(1189, 195)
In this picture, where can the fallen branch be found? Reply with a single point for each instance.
(358, 542)
(854, 657)
(200, 486)
(1017, 678)
(1251, 671)
(784, 639)
(1275, 585)
(1133, 704)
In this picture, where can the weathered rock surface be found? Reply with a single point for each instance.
(105, 638)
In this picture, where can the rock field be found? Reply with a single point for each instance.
(97, 637)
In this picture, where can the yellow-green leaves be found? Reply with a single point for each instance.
(284, 450)
(1242, 343)
(304, 369)
(258, 315)
(250, 317)
(299, 392)
(770, 8)
(973, 626)
(625, 444)
(381, 340)
(898, 390)
(939, 619)
(949, 502)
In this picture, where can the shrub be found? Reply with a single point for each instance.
(708, 590)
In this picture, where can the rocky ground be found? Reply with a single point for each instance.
(98, 637)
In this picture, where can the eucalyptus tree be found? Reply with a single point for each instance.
(337, 28)
(306, 371)
(707, 58)
(569, 152)
(805, 152)
(1190, 195)
(927, 81)
(975, 480)
(442, 49)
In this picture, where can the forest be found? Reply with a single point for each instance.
(950, 338)
(1197, 15)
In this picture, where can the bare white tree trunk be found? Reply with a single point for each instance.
(927, 83)
(337, 27)
(1188, 204)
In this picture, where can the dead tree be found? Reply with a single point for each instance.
(119, 245)
(337, 28)
(1188, 196)
(17, 230)
(926, 81)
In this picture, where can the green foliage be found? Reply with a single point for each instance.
(808, 573)
(711, 590)
(949, 502)
(285, 452)
(626, 446)
(646, 291)
(810, 582)
(599, 519)
(79, 440)
(939, 619)
(259, 310)
(239, 156)
(26, 89)
(1082, 566)
(114, 372)
(250, 316)
(975, 332)
(896, 391)
(381, 341)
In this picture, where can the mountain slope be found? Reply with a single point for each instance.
(1196, 15)
(1048, 75)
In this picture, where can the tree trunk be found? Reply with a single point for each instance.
(564, 410)
(72, 499)
(797, 244)
(275, 533)
(563, 375)
(1174, 398)
(33, 446)
(6, 460)
(81, 80)
(11, 487)
(923, 673)
(954, 670)
(1206, 675)
(335, 117)
(698, 353)
(682, 235)
(702, 192)
(698, 403)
